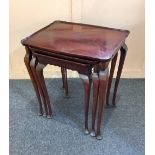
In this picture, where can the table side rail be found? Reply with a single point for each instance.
(80, 67)
(80, 60)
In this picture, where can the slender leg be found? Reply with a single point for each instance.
(39, 71)
(64, 79)
(103, 80)
(33, 64)
(123, 51)
(113, 64)
(27, 64)
(87, 85)
(95, 101)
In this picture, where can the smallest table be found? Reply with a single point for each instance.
(85, 48)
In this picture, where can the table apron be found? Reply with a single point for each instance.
(80, 67)
(66, 57)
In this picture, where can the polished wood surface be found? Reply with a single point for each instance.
(78, 40)
(87, 49)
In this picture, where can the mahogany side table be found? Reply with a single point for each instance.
(85, 48)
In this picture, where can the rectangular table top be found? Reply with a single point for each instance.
(78, 40)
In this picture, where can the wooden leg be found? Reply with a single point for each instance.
(39, 71)
(113, 64)
(103, 80)
(87, 85)
(64, 79)
(33, 64)
(95, 79)
(27, 64)
(123, 52)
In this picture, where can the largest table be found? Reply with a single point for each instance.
(88, 49)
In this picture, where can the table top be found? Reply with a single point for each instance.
(78, 40)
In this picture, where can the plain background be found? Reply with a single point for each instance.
(27, 16)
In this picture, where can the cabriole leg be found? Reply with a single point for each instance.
(87, 85)
(103, 80)
(33, 64)
(64, 80)
(113, 64)
(123, 52)
(63, 77)
(95, 80)
(39, 71)
(27, 60)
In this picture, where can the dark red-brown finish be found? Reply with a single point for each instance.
(39, 72)
(95, 79)
(103, 80)
(87, 85)
(33, 64)
(79, 47)
(78, 40)
(27, 64)
(123, 51)
(113, 63)
(64, 80)
(63, 77)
